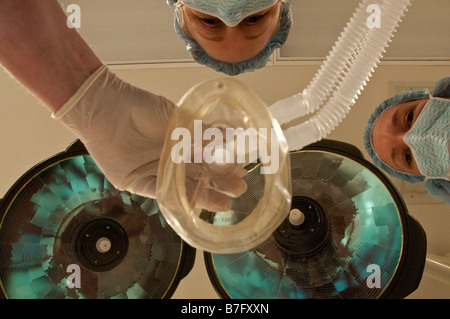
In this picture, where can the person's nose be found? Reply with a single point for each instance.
(398, 138)
(234, 35)
(236, 43)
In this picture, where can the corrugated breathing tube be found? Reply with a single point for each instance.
(344, 74)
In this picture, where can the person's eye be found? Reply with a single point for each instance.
(409, 118)
(254, 19)
(210, 21)
(408, 158)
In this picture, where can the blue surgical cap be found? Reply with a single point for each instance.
(235, 68)
(439, 189)
(442, 88)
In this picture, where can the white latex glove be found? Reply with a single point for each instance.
(123, 128)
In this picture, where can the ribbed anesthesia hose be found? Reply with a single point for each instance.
(343, 75)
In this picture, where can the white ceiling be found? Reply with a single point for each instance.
(422, 35)
(130, 31)
(141, 31)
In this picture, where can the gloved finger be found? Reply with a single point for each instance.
(230, 185)
(213, 190)
(141, 181)
(212, 200)
(240, 171)
(227, 169)
(201, 196)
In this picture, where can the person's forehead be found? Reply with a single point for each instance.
(386, 117)
(388, 114)
(384, 127)
(381, 131)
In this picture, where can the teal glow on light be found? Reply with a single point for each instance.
(29, 264)
(372, 234)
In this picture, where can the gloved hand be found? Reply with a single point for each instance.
(123, 128)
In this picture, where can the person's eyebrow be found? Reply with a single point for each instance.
(395, 118)
(394, 157)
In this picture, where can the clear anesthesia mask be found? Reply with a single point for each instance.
(224, 175)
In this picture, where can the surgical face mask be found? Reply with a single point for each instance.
(429, 139)
(231, 12)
